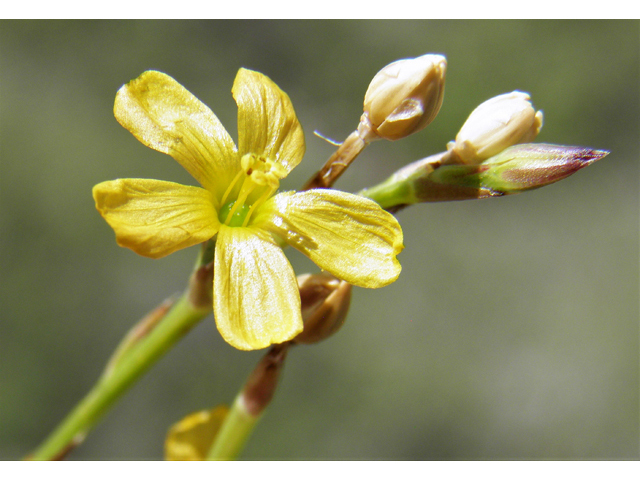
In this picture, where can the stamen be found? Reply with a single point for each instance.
(259, 173)
(247, 188)
(230, 187)
(267, 193)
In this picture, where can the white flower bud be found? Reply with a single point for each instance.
(495, 125)
(405, 96)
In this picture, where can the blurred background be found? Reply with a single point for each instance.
(512, 332)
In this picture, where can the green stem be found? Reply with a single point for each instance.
(234, 432)
(177, 322)
(249, 405)
(389, 193)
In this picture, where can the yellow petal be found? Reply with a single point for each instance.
(345, 234)
(255, 292)
(165, 116)
(192, 437)
(155, 218)
(267, 123)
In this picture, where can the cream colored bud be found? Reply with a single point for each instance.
(495, 125)
(325, 302)
(405, 96)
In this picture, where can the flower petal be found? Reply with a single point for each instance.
(155, 218)
(192, 437)
(255, 292)
(349, 236)
(267, 123)
(165, 116)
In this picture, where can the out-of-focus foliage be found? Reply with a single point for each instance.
(511, 333)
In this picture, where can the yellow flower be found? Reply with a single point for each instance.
(192, 437)
(255, 293)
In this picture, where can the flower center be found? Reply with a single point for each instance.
(260, 177)
(237, 218)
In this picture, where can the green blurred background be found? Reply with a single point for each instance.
(512, 332)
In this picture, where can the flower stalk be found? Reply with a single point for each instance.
(177, 322)
(249, 405)
(132, 359)
(354, 144)
(137, 333)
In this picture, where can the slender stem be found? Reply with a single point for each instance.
(234, 433)
(249, 405)
(338, 162)
(137, 332)
(389, 194)
(177, 322)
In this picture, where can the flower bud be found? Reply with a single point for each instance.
(496, 124)
(534, 165)
(262, 382)
(404, 97)
(325, 302)
(514, 170)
